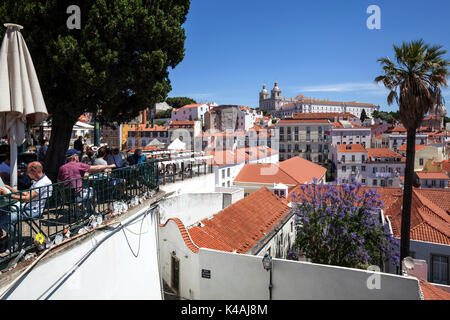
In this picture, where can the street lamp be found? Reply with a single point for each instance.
(267, 264)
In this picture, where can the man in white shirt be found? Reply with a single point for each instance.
(32, 203)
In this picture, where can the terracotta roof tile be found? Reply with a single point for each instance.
(431, 175)
(418, 147)
(241, 225)
(184, 234)
(431, 292)
(382, 153)
(351, 148)
(302, 170)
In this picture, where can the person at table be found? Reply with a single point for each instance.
(5, 170)
(32, 203)
(78, 144)
(115, 158)
(42, 151)
(74, 169)
(100, 160)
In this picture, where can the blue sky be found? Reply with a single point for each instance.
(322, 49)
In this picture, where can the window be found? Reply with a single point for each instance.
(223, 173)
(344, 168)
(374, 182)
(390, 183)
(375, 170)
(439, 269)
(228, 183)
(363, 168)
(353, 158)
(363, 158)
(363, 181)
(421, 161)
(383, 183)
(353, 168)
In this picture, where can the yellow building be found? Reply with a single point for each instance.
(423, 154)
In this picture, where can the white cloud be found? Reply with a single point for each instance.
(366, 87)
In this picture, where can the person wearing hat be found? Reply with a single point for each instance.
(78, 144)
(74, 169)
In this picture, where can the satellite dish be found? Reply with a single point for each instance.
(409, 263)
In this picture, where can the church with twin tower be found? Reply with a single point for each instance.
(282, 107)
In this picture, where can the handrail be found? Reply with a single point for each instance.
(67, 206)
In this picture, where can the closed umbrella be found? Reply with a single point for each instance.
(20, 93)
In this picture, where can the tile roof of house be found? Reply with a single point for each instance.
(446, 165)
(255, 173)
(431, 175)
(241, 225)
(302, 170)
(192, 105)
(429, 222)
(383, 153)
(304, 121)
(290, 172)
(181, 123)
(351, 148)
(432, 292)
(418, 147)
(184, 234)
(323, 115)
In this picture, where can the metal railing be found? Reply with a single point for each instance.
(29, 217)
(175, 173)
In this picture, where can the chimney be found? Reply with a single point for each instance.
(418, 269)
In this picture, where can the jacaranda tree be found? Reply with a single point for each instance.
(340, 225)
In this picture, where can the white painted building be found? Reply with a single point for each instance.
(345, 132)
(190, 112)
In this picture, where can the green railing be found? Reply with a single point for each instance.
(66, 207)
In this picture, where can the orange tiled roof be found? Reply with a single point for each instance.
(302, 170)
(143, 127)
(323, 115)
(431, 292)
(303, 121)
(429, 222)
(241, 225)
(184, 234)
(254, 173)
(446, 166)
(337, 124)
(290, 172)
(431, 175)
(418, 147)
(351, 148)
(382, 153)
(178, 123)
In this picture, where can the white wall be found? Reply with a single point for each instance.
(201, 184)
(190, 208)
(171, 242)
(237, 277)
(112, 264)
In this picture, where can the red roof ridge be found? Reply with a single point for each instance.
(184, 233)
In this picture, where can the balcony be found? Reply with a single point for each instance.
(386, 174)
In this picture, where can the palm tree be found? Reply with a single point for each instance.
(414, 82)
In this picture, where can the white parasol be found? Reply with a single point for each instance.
(20, 93)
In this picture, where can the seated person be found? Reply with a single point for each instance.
(32, 203)
(101, 154)
(137, 157)
(115, 158)
(75, 170)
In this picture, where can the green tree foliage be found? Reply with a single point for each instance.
(118, 61)
(178, 102)
(363, 115)
(163, 114)
(389, 117)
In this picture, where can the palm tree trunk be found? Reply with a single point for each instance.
(407, 194)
